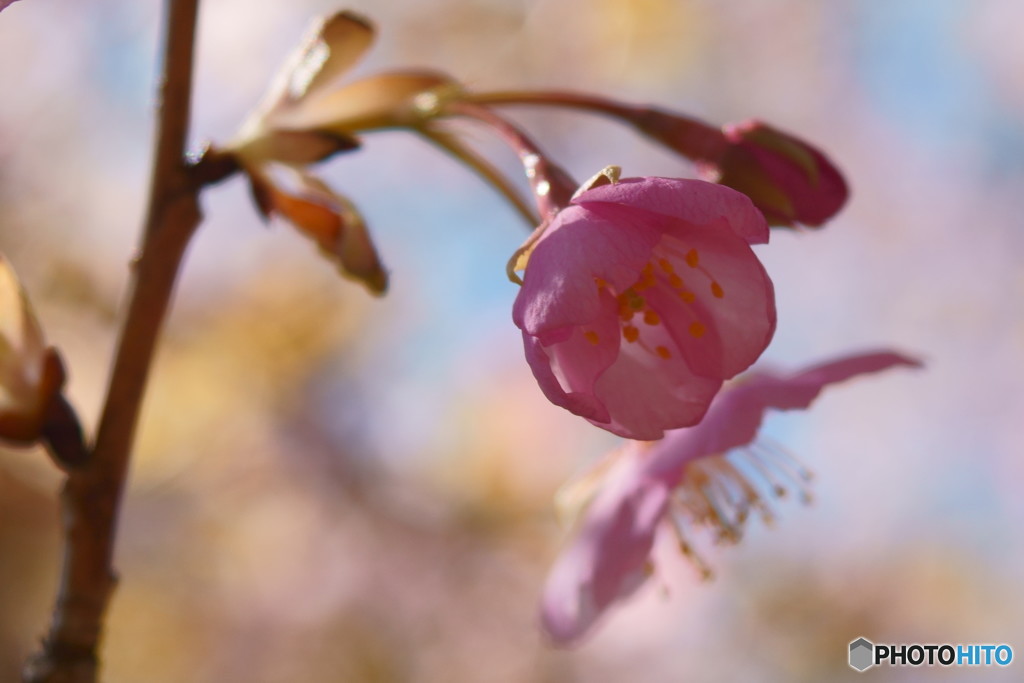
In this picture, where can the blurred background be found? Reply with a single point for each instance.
(331, 487)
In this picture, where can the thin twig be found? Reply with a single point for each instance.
(552, 186)
(450, 144)
(92, 494)
(688, 136)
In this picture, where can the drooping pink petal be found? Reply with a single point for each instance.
(736, 413)
(606, 561)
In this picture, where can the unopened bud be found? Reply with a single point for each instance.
(31, 373)
(788, 179)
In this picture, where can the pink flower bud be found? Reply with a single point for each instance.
(788, 179)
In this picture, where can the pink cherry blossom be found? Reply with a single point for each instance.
(711, 474)
(641, 297)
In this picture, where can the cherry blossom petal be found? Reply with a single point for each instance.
(693, 201)
(559, 282)
(607, 560)
(643, 393)
(736, 413)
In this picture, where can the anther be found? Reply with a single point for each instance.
(697, 329)
(630, 333)
(692, 258)
(647, 279)
(666, 265)
(687, 296)
(663, 352)
(716, 290)
(651, 318)
(592, 337)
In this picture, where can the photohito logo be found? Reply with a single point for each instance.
(864, 654)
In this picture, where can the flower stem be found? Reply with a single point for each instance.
(92, 494)
(453, 146)
(690, 137)
(552, 186)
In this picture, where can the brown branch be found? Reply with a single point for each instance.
(92, 494)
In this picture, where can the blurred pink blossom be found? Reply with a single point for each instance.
(641, 297)
(685, 479)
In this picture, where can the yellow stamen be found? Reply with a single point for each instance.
(687, 296)
(675, 281)
(651, 318)
(717, 290)
(646, 279)
(592, 337)
(718, 495)
(692, 258)
(666, 265)
(697, 329)
(630, 333)
(663, 352)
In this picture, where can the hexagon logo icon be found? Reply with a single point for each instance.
(862, 654)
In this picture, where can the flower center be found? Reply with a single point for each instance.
(663, 271)
(719, 491)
